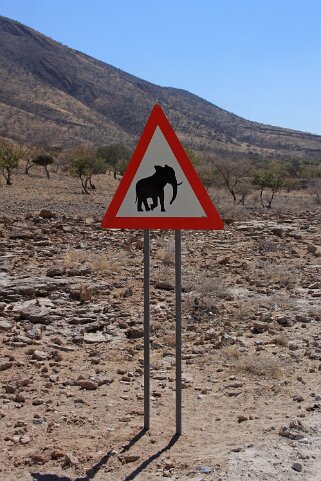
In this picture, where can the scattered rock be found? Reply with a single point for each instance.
(284, 321)
(241, 418)
(130, 458)
(127, 293)
(56, 356)
(166, 286)
(204, 469)
(25, 439)
(298, 398)
(20, 398)
(40, 355)
(57, 454)
(71, 459)
(297, 467)
(81, 270)
(94, 337)
(10, 389)
(4, 365)
(80, 293)
(312, 248)
(55, 272)
(259, 327)
(87, 385)
(47, 214)
(5, 326)
(38, 459)
(36, 314)
(134, 333)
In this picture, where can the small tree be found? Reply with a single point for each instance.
(315, 189)
(30, 153)
(267, 180)
(98, 166)
(116, 156)
(29, 162)
(9, 160)
(44, 160)
(83, 163)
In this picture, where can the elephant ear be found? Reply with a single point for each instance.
(158, 168)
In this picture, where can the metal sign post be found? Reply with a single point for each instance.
(146, 330)
(178, 287)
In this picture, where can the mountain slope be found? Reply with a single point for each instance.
(51, 93)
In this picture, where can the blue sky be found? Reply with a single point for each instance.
(260, 59)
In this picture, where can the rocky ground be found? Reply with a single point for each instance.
(71, 309)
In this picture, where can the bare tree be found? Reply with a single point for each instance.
(315, 189)
(234, 173)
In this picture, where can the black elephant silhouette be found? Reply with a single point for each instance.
(153, 188)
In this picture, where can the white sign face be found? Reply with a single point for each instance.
(151, 191)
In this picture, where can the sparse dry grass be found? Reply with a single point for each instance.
(210, 288)
(245, 311)
(281, 340)
(272, 273)
(167, 254)
(259, 365)
(95, 261)
(170, 340)
(165, 274)
(74, 257)
(231, 352)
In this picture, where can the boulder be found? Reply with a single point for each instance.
(166, 286)
(94, 337)
(35, 314)
(134, 333)
(47, 214)
(4, 364)
(80, 293)
(57, 271)
(87, 385)
(5, 325)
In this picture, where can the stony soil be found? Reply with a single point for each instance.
(71, 310)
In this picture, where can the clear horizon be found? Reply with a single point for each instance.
(259, 60)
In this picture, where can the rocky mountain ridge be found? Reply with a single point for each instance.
(56, 95)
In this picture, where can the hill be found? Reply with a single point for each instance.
(59, 96)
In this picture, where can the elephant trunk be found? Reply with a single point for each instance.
(174, 185)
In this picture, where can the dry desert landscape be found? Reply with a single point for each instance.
(71, 327)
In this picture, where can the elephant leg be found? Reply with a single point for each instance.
(155, 203)
(146, 205)
(161, 199)
(139, 204)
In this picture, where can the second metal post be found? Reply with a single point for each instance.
(178, 286)
(146, 330)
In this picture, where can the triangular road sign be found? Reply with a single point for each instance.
(160, 188)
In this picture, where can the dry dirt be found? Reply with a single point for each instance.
(71, 309)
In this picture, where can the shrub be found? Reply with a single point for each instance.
(9, 160)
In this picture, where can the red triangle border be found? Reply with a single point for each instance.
(212, 221)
